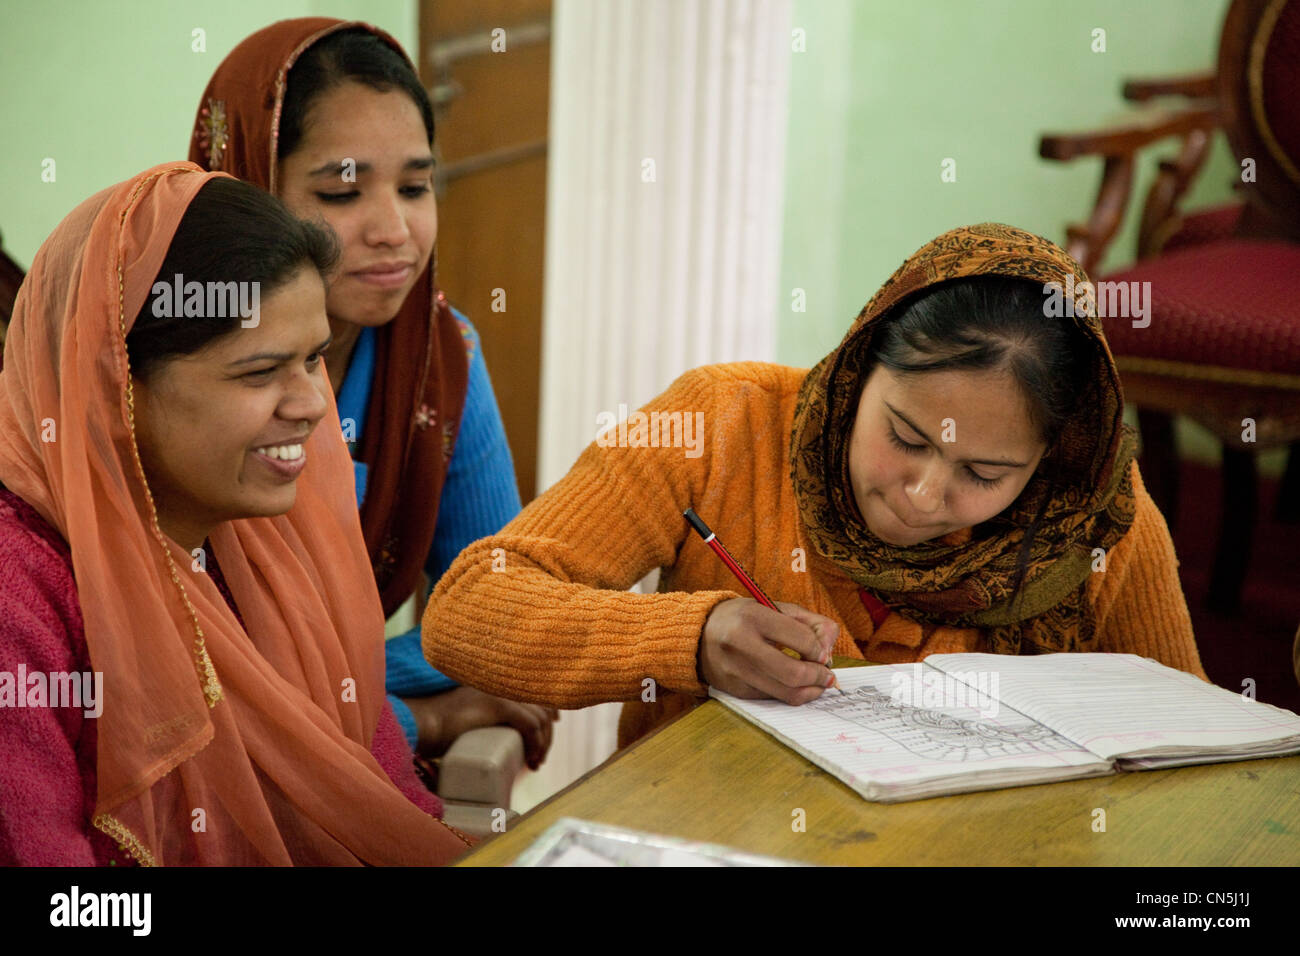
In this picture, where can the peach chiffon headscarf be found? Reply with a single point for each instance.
(216, 746)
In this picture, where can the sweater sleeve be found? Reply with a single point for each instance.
(541, 612)
(44, 819)
(1139, 600)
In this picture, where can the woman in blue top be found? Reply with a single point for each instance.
(331, 117)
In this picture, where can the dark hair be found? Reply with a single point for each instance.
(995, 323)
(231, 232)
(991, 323)
(354, 54)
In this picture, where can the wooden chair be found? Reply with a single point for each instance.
(1223, 340)
(476, 777)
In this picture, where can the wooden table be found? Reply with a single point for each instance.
(711, 775)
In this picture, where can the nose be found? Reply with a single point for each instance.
(925, 491)
(304, 401)
(386, 222)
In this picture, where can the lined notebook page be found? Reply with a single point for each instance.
(885, 749)
(1122, 704)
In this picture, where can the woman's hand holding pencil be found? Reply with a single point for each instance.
(741, 651)
(738, 651)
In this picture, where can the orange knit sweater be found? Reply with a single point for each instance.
(541, 612)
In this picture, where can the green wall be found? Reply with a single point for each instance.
(885, 91)
(110, 87)
(881, 94)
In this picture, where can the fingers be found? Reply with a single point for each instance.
(533, 722)
(548, 734)
(784, 678)
(545, 732)
(742, 649)
(767, 686)
(827, 631)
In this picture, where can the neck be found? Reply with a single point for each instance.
(339, 356)
(189, 535)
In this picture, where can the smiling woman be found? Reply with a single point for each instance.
(331, 117)
(222, 410)
(169, 515)
(343, 96)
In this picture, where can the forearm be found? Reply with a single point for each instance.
(1139, 600)
(541, 612)
(407, 673)
(1160, 629)
(526, 633)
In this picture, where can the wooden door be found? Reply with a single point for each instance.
(487, 64)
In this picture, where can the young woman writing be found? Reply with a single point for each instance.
(955, 476)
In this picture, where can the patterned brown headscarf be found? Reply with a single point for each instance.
(970, 584)
(421, 368)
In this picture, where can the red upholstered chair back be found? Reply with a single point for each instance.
(1259, 95)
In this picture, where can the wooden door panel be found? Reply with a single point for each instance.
(486, 241)
(491, 136)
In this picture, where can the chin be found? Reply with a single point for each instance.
(898, 542)
(901, 535)
(270, 505)
(373, 318)
(371, 309)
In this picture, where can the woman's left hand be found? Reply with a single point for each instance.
(442, 718)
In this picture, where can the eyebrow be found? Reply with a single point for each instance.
(999, 462)
(277, 356)
(335, 168)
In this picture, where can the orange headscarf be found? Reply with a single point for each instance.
(421, 369)
(216, 746)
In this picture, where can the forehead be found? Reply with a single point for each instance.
(361, 117)
(988, 408)
(290, 318)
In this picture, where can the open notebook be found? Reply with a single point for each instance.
(961, 722)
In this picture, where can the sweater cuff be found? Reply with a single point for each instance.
(682, 663)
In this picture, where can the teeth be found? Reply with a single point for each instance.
(281, 452)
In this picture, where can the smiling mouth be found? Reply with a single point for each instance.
(285, 462)
(281, 452)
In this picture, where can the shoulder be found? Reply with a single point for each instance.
(1149, 529)
(1146, 542)
(740, 383)
(1138, 598)
(468, 333)
(30, 549)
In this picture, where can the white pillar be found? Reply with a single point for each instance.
(663, 225)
